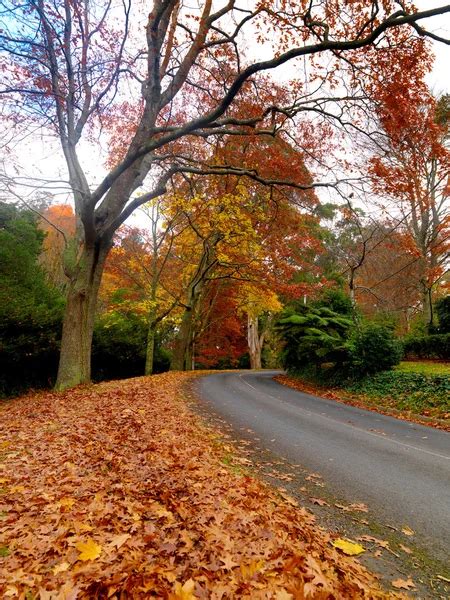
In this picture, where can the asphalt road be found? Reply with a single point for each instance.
(399, 469)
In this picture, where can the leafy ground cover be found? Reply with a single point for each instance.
(117, 491)
(417, 391)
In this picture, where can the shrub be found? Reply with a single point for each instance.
(317, 336)
(374, 349)
(443, 312)
(30, 308)
(435, 346)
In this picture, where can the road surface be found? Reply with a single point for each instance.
(399, 469)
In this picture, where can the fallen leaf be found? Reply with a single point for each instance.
(228, 563)
(67, 502)
(319, 501)
(183, 592)
(407, 530)
(401, 584)
(358, 507)
(60, 568)
(119, 540)
(406, 549)
(370, 538)
(249, 571)
(283, 595)
(89, 550)
(348, 547)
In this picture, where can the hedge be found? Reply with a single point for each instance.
(435, 346)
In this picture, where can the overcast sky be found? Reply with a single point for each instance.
(439, 80)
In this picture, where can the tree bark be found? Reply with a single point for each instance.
(150, 351)
(182, 352)
(78, 323)
(255, 342)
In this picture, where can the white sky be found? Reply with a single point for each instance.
(439, 79)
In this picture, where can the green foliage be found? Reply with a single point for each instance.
(31, 318)
(336, 300)
(318, 335)
(443, 312)
(435, 346)
(119, 347)
(374, 349)
(416, 392)
(30, 309)
(325, 336)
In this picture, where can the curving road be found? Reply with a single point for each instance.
(399, 469)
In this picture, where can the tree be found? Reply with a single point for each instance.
(413, 170)
(69, 66)
(58, 224)
(316, 336)
(30, 308)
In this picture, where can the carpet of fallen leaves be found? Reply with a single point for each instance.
(118, 491)
(359, 400)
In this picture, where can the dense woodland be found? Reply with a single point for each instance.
(297, 222)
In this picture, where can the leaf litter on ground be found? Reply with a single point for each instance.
(117, 490)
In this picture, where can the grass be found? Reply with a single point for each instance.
(425, 367)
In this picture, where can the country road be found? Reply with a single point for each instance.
(399, 469)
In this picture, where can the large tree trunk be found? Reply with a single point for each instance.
(255, 342)
(78, 324)
(182, 352)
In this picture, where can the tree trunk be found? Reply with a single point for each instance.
(78, 323)
(255, 342)
(150, 352)
(428, 312)
(182, 352)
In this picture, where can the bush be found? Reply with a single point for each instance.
(443, 312)
(30, 308)
(374, 349)
(435, 346)
(317, 336)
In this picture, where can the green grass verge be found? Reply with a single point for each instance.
(427, 368)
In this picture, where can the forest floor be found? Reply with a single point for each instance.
(416, 391)
(118, 490)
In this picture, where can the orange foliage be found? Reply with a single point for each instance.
(116, 490)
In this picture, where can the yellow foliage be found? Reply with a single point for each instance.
(348, 547)
(89, 550)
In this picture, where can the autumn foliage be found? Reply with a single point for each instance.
(116, 491)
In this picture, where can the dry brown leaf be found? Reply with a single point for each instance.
(61, 568)
(407, 530)
(401, 584)
(319, 501)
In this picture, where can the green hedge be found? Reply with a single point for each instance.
(435, 346)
